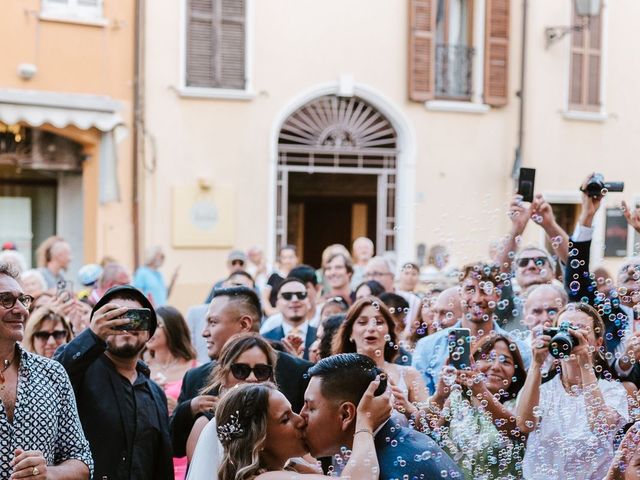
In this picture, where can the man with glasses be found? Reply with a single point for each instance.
(232, 311)
(480, 290)
(40, 432)
(543, 304)
(295, 333)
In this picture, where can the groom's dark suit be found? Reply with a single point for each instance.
(290, 377)
(404, 453)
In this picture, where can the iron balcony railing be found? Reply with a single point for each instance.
(454, 71)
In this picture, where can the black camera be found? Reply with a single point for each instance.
(596, 185)
(562, 342)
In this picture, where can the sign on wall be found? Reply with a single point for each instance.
(203, 217)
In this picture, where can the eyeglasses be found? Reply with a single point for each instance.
(538, 261)
(8, 300)
(58, 335)
(288, 296)
(241, 371)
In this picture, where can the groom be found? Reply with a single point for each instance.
(330, 402)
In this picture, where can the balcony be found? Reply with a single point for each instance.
(454, 71)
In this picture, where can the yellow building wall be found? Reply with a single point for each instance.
(78, 58)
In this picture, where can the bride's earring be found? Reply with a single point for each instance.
(351, 340)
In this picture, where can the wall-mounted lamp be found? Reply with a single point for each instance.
(585, 10)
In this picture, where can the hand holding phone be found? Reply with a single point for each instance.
(459, 345)
(526, 183)
(139, 320)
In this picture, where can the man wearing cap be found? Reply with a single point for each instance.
(236, 261)
(123, 413)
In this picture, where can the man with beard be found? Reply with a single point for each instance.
(480, 292)
(123, 413)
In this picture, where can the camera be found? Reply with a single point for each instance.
(596, 184)
(562, 342)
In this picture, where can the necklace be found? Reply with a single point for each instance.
(5, 367)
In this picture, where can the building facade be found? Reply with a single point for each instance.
(66, 126)
(315, 122)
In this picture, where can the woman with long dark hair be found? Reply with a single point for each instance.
(472, 411)
(572, 420)
(369, 329)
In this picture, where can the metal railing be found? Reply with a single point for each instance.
(454, 71)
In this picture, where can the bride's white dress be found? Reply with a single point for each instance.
(207, 455)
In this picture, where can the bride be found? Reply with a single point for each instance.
(260, 433)
(246, 358)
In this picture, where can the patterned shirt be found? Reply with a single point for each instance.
(45, 417)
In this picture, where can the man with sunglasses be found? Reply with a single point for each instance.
(232, 311)
(295, 333)
(307, 275)
(40, 432)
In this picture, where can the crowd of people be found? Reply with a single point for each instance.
(522, 366)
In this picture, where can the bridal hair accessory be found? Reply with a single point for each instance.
(230, 430)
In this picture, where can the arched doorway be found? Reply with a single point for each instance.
(336, 176)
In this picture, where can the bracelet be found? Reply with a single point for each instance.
(363, 430)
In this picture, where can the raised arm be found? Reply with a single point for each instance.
(530, 393)
(542, 213)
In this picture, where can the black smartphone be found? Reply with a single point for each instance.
(64, 288)
(459, 343)
(382, 387)
(139, 319)
(526, 183)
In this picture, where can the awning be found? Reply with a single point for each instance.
(37, 108)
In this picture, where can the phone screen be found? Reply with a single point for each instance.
(140, 319)
(526, 183)
(459, 343)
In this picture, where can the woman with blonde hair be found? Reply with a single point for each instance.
(45, 331)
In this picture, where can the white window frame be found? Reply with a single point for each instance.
(580, 115)
(218, 93)
(476, 105)
(73, 11)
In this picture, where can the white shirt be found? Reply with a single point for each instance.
(562, 445)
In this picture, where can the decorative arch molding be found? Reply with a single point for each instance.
(405, 146)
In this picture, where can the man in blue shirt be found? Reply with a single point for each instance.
(480, 290)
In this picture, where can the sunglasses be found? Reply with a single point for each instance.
(241, 371)
(538, 261)
(237, 262)
(288, 296)
(58, 335)
(8, 300)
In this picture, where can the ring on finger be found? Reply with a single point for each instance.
(35, 471)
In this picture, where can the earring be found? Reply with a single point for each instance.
(351, 340)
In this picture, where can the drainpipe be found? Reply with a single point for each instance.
(521, 93)
(138, 124)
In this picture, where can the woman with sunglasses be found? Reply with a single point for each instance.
(246, 358)
(45, 331)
